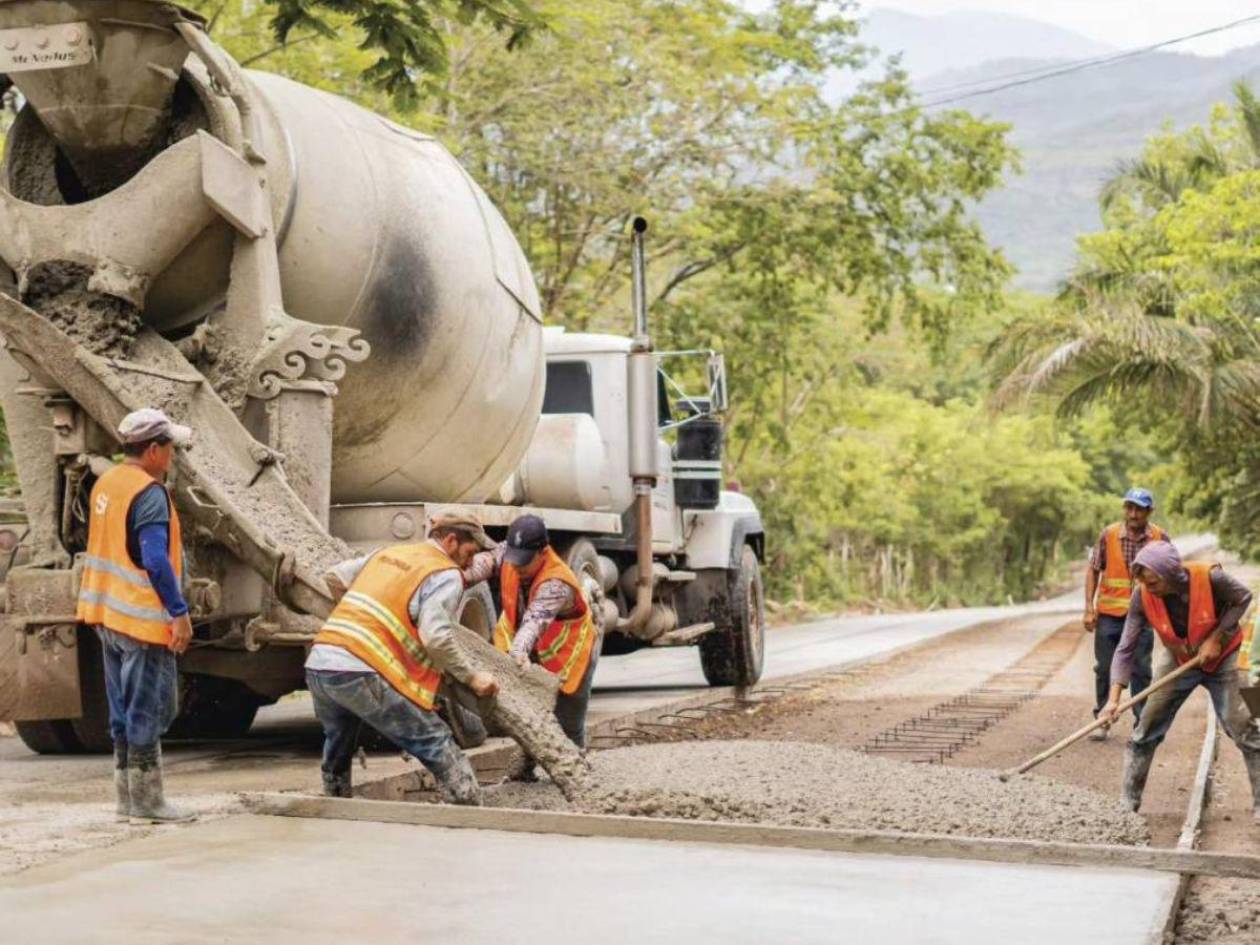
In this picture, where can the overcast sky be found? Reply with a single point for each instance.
(1122, 23)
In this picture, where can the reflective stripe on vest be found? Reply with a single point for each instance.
(373, 619)
(114, 592)
(1116, 588)
(564, 647)
(1201, 620)
(1244, 648)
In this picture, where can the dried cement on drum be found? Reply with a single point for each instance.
(104, 324)
(801, 784)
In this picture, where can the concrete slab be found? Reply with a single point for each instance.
(284, 880)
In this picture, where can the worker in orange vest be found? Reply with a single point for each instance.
(1195, 609)
(545, 617)
(129, 591)
(1108, 587)
(382, 653)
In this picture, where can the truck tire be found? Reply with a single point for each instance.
(91, 730)
(214, 707)
(583, 561)
(734, 653)
(48, 737)
(88, 734)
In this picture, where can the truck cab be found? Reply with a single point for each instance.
(707, 543)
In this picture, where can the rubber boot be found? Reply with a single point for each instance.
(1137, 765)
(123, 810)
(1252, 758)
(457, 782)
(148, 802)
(338, 785)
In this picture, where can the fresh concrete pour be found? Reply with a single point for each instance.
(283, 880)
(806, 785)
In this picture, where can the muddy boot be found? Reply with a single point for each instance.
(123, 810)
(144, 778)
(1137, 765)
(457, 782)
(1252, 758)
(338, 785)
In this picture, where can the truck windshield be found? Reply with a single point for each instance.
(569, 388)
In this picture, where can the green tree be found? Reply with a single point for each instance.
(406, 37)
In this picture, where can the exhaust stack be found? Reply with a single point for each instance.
(644, 470)
(100, 75)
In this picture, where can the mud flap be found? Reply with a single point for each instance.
(8, 671)
(45, 644)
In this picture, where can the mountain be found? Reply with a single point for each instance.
(965, 38)
(1072, 130)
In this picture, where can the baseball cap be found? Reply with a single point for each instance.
(526, 537)
(150, 423)
(1140, 497)
(464, 521)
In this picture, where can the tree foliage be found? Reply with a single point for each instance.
(1162, 312)
(407, 37)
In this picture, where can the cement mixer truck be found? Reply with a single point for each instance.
(352, 331)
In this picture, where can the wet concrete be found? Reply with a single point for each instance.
(284, 880)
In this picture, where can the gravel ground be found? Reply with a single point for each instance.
(1222, 912)
(808, 785)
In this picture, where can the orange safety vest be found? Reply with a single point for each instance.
(564, 647)
(1201, 620)
(1244, 648)
(1117, 585)
(114, 591)
(373, 619)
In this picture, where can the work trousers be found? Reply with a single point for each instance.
(344, 701)
(571, 710)
(1106, 639)
(140, 688)
(1223, 687)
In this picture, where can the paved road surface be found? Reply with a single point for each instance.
(325, 882)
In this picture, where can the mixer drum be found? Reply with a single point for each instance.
(379, 229)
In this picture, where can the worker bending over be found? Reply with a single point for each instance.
(384, 649)
(130, 593)
(1194, 609)
(545, 615)
(1108, 590)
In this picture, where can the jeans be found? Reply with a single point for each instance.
(571, 710)
(1222, 685)
(140, 688)
(1106, 639)
(344, 701)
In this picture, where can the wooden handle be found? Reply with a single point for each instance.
(1099, 723)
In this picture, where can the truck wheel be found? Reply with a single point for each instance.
(733, 654)
(214, 707)
(48, 737)
(88, 734)
(583, 561)
(91, 730)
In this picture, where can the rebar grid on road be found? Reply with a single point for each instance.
(937, 734)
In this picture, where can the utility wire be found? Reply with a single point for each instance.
(1038, 75)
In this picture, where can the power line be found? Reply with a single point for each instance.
(1030, 77)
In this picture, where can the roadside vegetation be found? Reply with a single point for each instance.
(826, 246)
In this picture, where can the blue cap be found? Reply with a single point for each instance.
(1140, 497)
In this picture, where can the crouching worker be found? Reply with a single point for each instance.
(384, 649)
(1194, 609)
(545, 616)
(130, 592)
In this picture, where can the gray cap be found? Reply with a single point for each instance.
(151, 424)
(464, 521)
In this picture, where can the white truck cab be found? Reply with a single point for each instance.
(707, 542)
